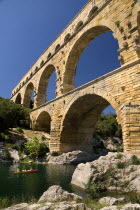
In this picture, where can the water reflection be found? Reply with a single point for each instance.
(33, 184)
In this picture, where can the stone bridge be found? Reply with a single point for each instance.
(71, 117)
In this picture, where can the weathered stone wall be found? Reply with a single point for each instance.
(73, 114)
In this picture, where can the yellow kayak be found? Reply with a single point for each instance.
(25, 171)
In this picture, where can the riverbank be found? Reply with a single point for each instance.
(55, 198)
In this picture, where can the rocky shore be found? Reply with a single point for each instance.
(115, 171)
(55, 198)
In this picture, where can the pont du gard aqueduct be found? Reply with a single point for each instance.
(71, 117)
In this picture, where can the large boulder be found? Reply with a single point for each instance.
(74, 157)
(113, 171)
(57, 194)
(14, 155)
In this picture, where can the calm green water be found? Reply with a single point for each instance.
(33, 184)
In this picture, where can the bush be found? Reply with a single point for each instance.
(119, 156)
(107, 126)
(135, 160)
(35, 149)
(19, 130)
(55, 153)
(7, 155)
(12, 114)
(121, 165)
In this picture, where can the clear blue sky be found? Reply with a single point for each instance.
(27, 28)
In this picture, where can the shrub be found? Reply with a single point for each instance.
(43, 138)
(107, 126)
(55, 153)
(121, 165)
(93, 189)
(135, 160)
(119, 156)
(7, 155)
(35, 149)
(19, 130)
(12, 114)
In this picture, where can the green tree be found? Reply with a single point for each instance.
(107, 126)
(13, 115)
(35, 148)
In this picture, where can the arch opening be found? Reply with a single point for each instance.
(91, 57)
(29, 96)
(18, 99)
(79, 25)
(47, 85)
(79, 124)
(43, 122)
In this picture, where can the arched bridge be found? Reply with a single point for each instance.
(71, 117)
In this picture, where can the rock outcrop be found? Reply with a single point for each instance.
(75, 157)
(114, 171)
(14, 155)
(57, 194)
(55, 198)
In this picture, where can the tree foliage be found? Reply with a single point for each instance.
(107, 126)
(13, 115)
(36, 148)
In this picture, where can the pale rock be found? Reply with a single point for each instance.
(111, 201)
(33, 206)
(57, 194)
(74, 157)
(21, 206)
(109, 208)
(130, 206)
(96, 169)
(14, 155)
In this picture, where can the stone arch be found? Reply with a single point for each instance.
(18, 99)
(67, 37)
(27, 95)
(76, 51)
(43, 122)
(43, 83)
(79, 122)
(42, 63)
(92, 12)
(57, 47)
(49, 55)
(79, 25)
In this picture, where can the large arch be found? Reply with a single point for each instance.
(81, 44)
(79, 122)
(43, 84)
(28, 94)
(18, 99)
(43, 122)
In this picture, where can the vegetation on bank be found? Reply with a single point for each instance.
(107, 126)
(13, 115)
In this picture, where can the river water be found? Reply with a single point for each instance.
(33, 184)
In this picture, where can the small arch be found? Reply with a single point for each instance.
(49, 55)
(42, 63)
(92, 12)
(57, 47)
(43, 122)
(28, 102)
(67, 37)
(31, 74)
(79, 25)
(36, 69)
(18, 99)
(27, 79)
(22, 83)
(78, 125)
(44, 83)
